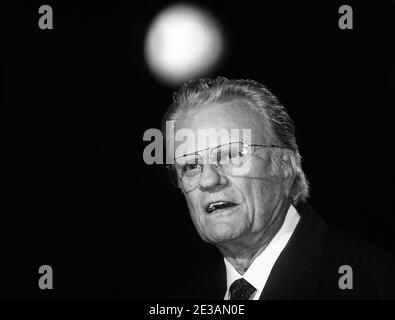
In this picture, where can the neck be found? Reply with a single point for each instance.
(241, 254)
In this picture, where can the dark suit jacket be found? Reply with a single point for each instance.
(308, 267)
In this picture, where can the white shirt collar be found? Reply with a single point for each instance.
(259, 271)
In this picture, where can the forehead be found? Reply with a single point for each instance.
(220, 115)
(225, 119)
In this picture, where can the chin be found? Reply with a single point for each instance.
(221, 233)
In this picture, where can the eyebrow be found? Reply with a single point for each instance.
(220, 145)
(224, 144)
(196, 152)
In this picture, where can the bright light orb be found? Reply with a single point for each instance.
(183, 42)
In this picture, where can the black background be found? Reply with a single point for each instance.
(77, 194)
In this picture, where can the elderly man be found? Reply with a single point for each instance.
(246, 195)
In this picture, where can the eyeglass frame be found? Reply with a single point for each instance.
(172, 169)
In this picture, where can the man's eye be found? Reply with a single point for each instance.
(235, 158)
(191, 168)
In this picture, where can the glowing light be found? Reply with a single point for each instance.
(183, 42)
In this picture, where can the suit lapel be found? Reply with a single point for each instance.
(295, 274)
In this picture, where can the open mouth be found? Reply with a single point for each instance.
(219, 205)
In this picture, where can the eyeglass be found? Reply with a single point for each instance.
(230, 159)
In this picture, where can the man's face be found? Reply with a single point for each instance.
(245, 205)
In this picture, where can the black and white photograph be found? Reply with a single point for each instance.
(183, 151)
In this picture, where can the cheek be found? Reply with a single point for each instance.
(192, 202)
(259, 189)
(265, 194)
(246, 190)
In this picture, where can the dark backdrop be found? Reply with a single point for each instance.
(77, 194)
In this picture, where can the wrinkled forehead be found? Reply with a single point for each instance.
(214, 124)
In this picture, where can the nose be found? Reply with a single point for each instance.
(210, 178)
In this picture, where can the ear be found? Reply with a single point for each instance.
(288, 167)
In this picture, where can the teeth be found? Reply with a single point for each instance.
(212, 206)
(219, 203)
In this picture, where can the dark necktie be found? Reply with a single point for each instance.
(241, 289)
